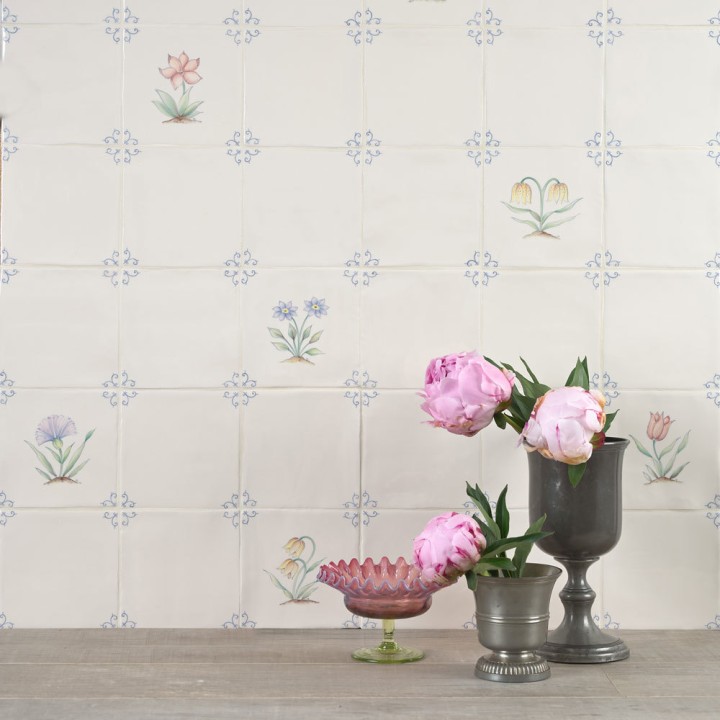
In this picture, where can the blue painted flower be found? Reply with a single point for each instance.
(316, 307)
(53, 429)
(285, 310)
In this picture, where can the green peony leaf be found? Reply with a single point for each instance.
(576, 472)
(502, 516)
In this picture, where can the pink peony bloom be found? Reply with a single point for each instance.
(449, 546)
(181, 70)
(463, 391)
(563, 423)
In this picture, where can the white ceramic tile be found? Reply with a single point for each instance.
(398, 310)
(670, 109)
(561, 110)
(174, 222)
(431, 199)
(645, 357)
(650, 220)
(338, 349)
(219, 89)
(290, 13)
(699, 480)
(61, 205)
(179, 569)
(425, 12)
(334, 538)
(82, 103)
(510, 241)
(170, 12)
(59, 327)
(504, 463)
(180, 328)
(296, 470)
(667, 12)
(653, 581)
(409, 464)
(308, 101)
(551, 13)
(302, 207)
(549, 318)
(20, 420)
(423, 87)
(204, 425)
(59, 569)
(50, 11)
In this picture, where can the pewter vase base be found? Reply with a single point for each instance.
(507, 667)
(605, 653)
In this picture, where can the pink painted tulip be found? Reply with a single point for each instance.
(181, 70)
(564, 423)
(464, 391)
(659, 426)
(450, 545)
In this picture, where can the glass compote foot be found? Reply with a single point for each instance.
(385, 591)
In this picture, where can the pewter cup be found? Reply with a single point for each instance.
(512, 620)
(586, 522)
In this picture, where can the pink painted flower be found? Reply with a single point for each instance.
(181, 70)
(449, 546)
(564, 423)
(659, 426)
(464, 391)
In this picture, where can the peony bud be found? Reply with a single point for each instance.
(449, 546)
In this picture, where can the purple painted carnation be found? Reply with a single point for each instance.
(54, 427)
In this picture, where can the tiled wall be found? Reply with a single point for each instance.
(350, 171)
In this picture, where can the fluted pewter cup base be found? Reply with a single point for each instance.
(512, 667)
(562, 653)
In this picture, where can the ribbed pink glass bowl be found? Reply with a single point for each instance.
(387, 591)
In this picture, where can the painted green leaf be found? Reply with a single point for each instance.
(547, 226)
(282, 346)
(66, 454)
(530, 223)
(668, 449)
(315, 337)
(684, 442)
(640, 447)
(679, 470)
(77, 469)
(54, 453)
(313, 351)
(43, 473)
(310, 568)
(167, 100)
(305, 334)
(527, 211)
(305, 595)
(162, 108)
(76, 457)
(184, 102)
(192, 108)
(567, 207)
(274, 332)
(303, 590)
(45, 462)
(292, 332)
(279, 585)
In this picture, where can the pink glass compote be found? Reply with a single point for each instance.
(385, 591)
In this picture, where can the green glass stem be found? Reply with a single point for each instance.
(388, 643)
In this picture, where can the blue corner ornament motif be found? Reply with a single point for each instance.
(357, 508)
(604, 150)
(599, 268)
(243, 148)
(362, 388)
(6, 511)
(121, 271)
(241, 267)
(483, 148)
(10, 143)
(360, 268)
(363, 26)
(122, 25)
(605, 30)
(363, 148)
(484, 27)
(6, 391)
(242, 29)
(8, 23)
(240, 389)
(608, 387)
(237, 513)
(239, 621)
(489, 268)
(124, 622)
(123, 514)
(6, 269)
(714, 270)
(122, 146)
(120, 389)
